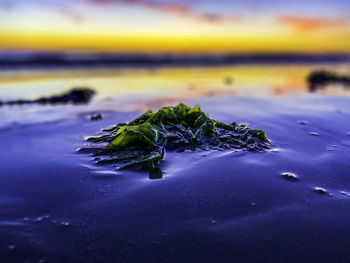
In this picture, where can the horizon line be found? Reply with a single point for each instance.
(73, 59)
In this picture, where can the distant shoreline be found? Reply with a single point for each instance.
(37, 60)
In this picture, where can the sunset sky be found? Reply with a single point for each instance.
(192, 26)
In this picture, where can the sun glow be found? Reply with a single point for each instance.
(159, 28)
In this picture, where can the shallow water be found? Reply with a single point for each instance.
(57, 205)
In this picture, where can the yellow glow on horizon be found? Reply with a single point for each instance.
(145, 28)
(332, 42)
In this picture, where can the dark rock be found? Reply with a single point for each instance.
(290, 176)
(74, 96)
(320, 190)
(319, 79)
(96, 117)
(302, 122)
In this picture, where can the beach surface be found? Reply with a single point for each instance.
(57, 205)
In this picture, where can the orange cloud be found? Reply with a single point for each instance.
(169, 7)
(172, 8)
(165, 7)
(304, 24)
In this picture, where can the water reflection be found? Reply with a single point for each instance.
(139, 89)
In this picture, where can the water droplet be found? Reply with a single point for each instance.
(314, 133)
(253, 204)
(213, 222)
(164, 234)
(320, 190)
(290, 176)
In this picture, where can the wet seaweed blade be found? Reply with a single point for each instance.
(143, 141)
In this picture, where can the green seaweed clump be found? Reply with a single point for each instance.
(142, 142)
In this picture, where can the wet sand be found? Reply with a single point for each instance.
(221, 206)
